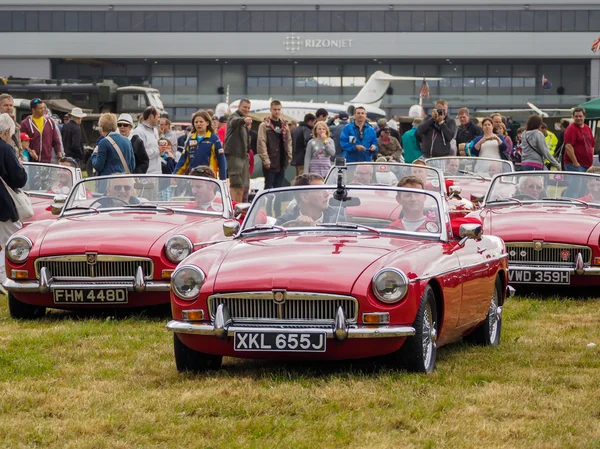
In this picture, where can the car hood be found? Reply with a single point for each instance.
(568, 224)
(322, 263)
(125, 233)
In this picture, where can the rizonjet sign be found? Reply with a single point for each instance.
(294, 43)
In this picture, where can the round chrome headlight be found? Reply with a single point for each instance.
(17, 249)
(390, 285)
(187, 282)
(178, 248)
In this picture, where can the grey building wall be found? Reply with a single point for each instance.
(25, 68)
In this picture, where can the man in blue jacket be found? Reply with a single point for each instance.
(358, 139)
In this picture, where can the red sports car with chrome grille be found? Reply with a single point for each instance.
(549, 222)
(319, 283)
(115, 243)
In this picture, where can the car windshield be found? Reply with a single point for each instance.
(158, 192)
(566, 187)
(454, 167)
(367, 209)
(386, 174)
(48, 179)
(155, 100)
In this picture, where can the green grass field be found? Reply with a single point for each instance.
(71, 382)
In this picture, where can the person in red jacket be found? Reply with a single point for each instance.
(43, 132)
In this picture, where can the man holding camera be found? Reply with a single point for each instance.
(436, 132)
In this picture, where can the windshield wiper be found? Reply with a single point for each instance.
(350, 226)
(82, 208)
(478, 176)
(264, 228)
(502, 200)
(149, 206)
(586, 204)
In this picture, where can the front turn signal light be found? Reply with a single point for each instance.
(19, 274)
(376, 318)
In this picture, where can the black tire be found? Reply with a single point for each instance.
(188, 360)
(418, 353)
(20, 310)
(488, 332)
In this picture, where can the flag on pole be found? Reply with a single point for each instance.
(424, 92)
(546, 84)
(596, 45)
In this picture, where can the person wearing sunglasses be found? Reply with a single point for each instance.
(122, 188)
(125, 126)
(530, 186)
(43, 132)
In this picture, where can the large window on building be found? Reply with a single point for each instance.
(371, 20)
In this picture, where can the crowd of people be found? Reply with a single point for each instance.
(228, 144)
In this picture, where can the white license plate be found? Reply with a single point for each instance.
(280, 341)
(90, 296)
(516, 276)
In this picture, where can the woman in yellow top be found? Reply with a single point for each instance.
(202, 147)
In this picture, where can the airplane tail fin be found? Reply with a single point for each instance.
(376, 86)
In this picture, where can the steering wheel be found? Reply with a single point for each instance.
(102, 201)
(294, 223)
(524, 196)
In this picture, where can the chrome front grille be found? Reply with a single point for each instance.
(297, 307)
(548, 254)
(105, 266)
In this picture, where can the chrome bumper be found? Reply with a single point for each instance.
(582, 271)
(223, 326)
(37, 287)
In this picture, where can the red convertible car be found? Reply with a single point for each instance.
(472, 175)
(115, 244)
(319, 284)
(550, 223)
(44, 182)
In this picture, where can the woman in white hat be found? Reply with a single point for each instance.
(125, 125)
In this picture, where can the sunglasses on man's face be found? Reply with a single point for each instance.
(123, 125)
(121, 188)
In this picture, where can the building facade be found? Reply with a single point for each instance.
(200, 53)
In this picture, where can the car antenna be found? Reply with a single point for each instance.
(340, 193)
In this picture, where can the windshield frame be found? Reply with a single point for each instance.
(554, 201)
(226, 213)
(76, 176)
(442, 236)
(334, 170)
(475, 175)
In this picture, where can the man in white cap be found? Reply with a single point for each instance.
(125, 125)
(72, 136)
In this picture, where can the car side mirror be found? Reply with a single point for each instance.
(470, 231)
(59, 203)
(230, 228)
(477, 199)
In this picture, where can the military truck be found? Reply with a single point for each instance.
(94, 98)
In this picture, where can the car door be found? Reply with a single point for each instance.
(478, 282)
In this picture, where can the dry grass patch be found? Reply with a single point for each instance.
(69, 382)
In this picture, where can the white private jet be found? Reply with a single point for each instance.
(370, 96)
(533, 109)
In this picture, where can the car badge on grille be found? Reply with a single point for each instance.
(279, 296)
(91, 258)
(537, 245)
(565, 255)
